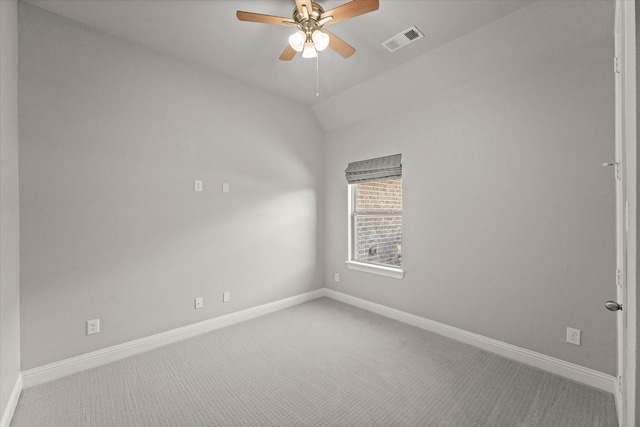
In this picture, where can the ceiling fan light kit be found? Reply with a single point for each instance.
(297, 40)
(320, 39)
(305, 43)
(310, 18)
(309, 50)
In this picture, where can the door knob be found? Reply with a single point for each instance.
(613, 306)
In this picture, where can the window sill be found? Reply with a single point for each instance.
(396, 273)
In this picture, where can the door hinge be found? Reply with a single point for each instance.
(616, 65)
(619, 278)
(626, 216)
(616, 167)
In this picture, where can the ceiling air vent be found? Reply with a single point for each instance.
(404, 38)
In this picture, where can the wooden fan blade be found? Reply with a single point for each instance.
(264, 19)
(307, 3)
(351, 9)
(288, 54)
(339, 45)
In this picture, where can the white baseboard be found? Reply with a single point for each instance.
(7, 414)
(80, 363)
(572, 371)
(110, 354)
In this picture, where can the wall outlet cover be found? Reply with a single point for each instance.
(93, 326)
(199, 303)
(573, 336)
(226, 296)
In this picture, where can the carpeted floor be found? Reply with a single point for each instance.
(321, 363)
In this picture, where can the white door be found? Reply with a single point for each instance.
(620, 302)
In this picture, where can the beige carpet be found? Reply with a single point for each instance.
(322, 363)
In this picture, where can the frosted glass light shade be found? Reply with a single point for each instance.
(320, 39)
(309, 50)
(296, 41)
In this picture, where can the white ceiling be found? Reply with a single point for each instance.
(207, 32)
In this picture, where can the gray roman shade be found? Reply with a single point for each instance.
(374, 169)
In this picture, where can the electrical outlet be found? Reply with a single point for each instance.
(93, 326)
(197, 185)
(198, 303)
(226, 296)
(336, 277)
(573, 336)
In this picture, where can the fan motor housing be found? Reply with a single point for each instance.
(314, 16)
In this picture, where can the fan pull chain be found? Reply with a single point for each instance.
(317, 78)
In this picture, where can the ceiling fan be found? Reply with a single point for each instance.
(310, 18)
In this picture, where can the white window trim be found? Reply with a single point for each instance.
(381, 270)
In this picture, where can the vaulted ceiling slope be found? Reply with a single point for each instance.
(208, 32)
(522, 39)
(464, 39)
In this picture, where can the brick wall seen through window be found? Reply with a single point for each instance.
(377, 222)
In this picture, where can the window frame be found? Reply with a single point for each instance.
(367, 267)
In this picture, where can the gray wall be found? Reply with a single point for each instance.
(509, 225)
(504, 196)
(112, 137)
(9, 209)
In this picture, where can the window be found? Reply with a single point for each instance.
(375, 216)
(377, 222)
